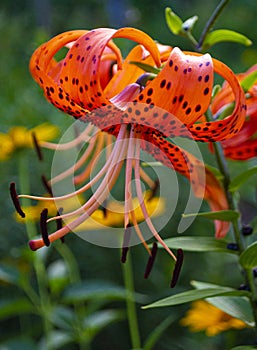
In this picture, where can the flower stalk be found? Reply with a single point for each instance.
(236, 224)
(44, 300)
(210, 22)
(131, 305)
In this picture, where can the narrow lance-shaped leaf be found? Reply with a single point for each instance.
(173, 21)
(249, 81)
(224, 215)
(192, 295)
(235, 306)
(244, 347)
(199, 244)
(238, 181)
(248, 259)
(147, 68)
(222, 35)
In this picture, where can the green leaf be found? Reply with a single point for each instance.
(224, 215)
(249, 81)
(244, 347)
(18, 343)
(193, 295)
(173, 21)
(188, 25)
(248, 259)
(198, 244)
(157, 332)
(151, 164)
(235, 306)
(222, 35)
(95, 322)
(238, 307)
(57, 276)
(9, 274)
(237, 182)
(56, 340)
(62, 317)
(14, 307)
(96, 290)
(146, 67)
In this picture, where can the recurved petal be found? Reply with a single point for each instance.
(183, 87)
(204, 184)
(223, 129)
(216, 198)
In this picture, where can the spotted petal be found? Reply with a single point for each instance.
(183, 87)
(204, 183)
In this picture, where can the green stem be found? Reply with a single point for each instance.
(236, 225)
(222, 164)
(192, 39)
(131, 305)
(210, 22)
(74, 276)
(44, 301)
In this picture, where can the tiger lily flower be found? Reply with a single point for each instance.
(141, 110)
(242, 146)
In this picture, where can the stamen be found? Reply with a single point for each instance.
(154, 189)
(43, 226)
(15, 200)
(37, 147)
(177, 268)
(110, 178)
(128, 176)
(151, 260)
(90, 166)
(79, 163)
(125, 244)
(46, 184)
(146, 178)
(59, 222)
(83, 137)
(142, 203)
(99, 196)
(104, 208)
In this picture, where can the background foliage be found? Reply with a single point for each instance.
(23, 26)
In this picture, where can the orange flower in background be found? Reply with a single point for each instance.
(142, 110)
(242, 146)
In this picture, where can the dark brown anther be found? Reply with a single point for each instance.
(154, 189)
(46, 185)
(36, 146)
(151, 259)
(177, 268)
(43, 227)
(15, 200)
(104, 208)
(59, 222)
(125, 244)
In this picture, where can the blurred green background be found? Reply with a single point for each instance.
(23, 26)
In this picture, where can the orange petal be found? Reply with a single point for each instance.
(228, 127)
(204, 183)
(183, 87)
(76, 86)
(45, 70)
(129, 72)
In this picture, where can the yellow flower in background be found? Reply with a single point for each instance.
(205, 317)
(20, 137)
(111, 216)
